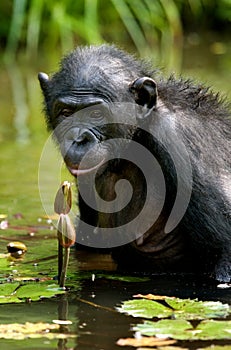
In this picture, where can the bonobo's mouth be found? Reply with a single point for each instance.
(75, 171)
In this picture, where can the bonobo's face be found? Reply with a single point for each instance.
(80, 126)
(85, 108)
(85, 127)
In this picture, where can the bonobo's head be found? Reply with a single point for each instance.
(79, 102)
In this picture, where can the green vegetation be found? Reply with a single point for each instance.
(176, 308)
(183, 330)
(178, 324)
(35, 25)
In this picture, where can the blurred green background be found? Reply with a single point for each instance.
(184, 37)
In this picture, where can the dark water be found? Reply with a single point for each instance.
(92, 311)
(23, 139)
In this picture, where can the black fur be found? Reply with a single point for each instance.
(183, 111)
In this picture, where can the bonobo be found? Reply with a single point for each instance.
(152, 160)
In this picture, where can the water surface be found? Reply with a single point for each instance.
(23, 137)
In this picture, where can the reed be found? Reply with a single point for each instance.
(49, 25)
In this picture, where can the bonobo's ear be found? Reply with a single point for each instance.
(44, 81)
(144, 91)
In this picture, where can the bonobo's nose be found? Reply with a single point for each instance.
(77, 142)
(85, 137)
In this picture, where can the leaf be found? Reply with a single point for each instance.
(36, 291)
(144, 341)
(197, 310)
(8, 288)
(152, 296)
(7, 293)
(31, 330)
(211, 329)
(145, 308)
(115, 277)
(16, 293)
(183, 330)
(9, 299)
(176, 329)
(185, 309)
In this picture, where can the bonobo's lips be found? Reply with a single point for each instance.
(74, 170)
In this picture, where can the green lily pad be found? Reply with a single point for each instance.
(183, 330)
(16, 293)
(185, 309)
(211, 329)
(115, 277)
(176, 329)
(197, 310)
(7, 293)
(145, 308)
(8, 288)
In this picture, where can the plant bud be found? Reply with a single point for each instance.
(66, 231)
(63, 199)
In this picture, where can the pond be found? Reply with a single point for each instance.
(30, 173)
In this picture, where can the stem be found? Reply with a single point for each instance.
(64, 269)
(60, 261)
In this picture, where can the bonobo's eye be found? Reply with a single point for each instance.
(97, 114)
(66, 112)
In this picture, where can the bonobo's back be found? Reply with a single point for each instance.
(110, 112)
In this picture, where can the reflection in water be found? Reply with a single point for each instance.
(19, 94)
(63, 315)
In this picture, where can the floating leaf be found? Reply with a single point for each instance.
(197, 310)
(176, 329)
(16, 293)
(94, 275)
(144, 341)
(8, 288)
(152, 296)
(36, 291)
(178, 308)
(31, 330)
(145, 308)
(183, 330)
(7, 293)
(211, 329)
